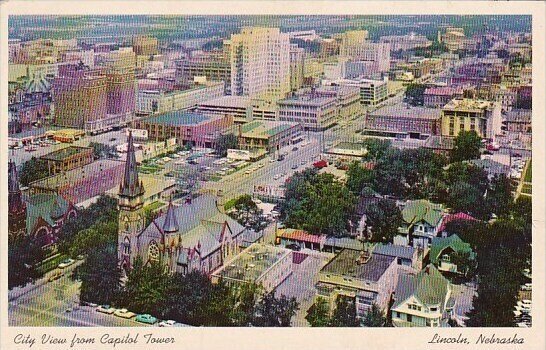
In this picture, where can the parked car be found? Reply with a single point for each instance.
(146, 318)
(294, 167)
(105, 309)
(293, 246)
(66, 263)
(294, 149)
(167, 323)
(124, 313)
(55, 276)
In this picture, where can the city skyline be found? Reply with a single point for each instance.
(270, 171)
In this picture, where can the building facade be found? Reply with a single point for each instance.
(68, 158)
(481, 116)
(260, 63)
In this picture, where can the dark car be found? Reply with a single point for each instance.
(294, 149)
(294, 246)
(487, 152)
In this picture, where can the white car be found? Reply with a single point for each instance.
(106, 309)
(167, 323)
(276, 177)
(272, 160)
(124, 313)
(248, 172)
(66, 263)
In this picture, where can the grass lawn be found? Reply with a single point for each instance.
(154, 206)
(527, 189)
(529, 173)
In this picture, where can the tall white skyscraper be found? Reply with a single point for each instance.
(260, 63)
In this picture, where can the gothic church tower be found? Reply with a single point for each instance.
(131, 211)
(17, 213)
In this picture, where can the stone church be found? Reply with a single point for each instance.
(188, 237)
(40, 216)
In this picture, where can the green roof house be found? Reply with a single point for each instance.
(442, 253)
(422, 299)
(421, 222)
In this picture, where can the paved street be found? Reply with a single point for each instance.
(45, 304)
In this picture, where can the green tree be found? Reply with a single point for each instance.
(23, 255)
(32, 170)
(374, 317)
(467, 146)
(146, 288)
(345, 313)
(318, 315)
(415, 94)
(358, 177)
(247, 213)
(501, 258)
(317, 203)
(100, 275)
(243, 299)
(271, 311)
(384, 217)
(466, 198)
(99, 234)
(225, 142)
(499, 196)
(376, 148)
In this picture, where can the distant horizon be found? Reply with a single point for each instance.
(176, 27)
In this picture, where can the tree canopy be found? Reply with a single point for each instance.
(384, 217)
(467, 146)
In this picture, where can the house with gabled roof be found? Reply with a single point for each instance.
(421, 220)
(422, 300)
(442, 250)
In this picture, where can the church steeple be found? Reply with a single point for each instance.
(17, 209)
(171, 224)
(14, 192)
(131, 211)
(131, 186)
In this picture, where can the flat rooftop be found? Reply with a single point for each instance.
(253, 262)
(404, 111)
(65, 153)
(178, 118)
(467, 104)
(308, 99)
(229, 102)
(72, 176)
(264, 129)
(346, 264)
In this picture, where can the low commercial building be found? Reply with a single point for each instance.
(372, 92)
(260, 264)
(405, 42)
(405, 121)
(268, 135)
(191, 128)
(362, 275)
(314, 111)
(68, 158)
(481, 116)
(83, 183)
(150, 149)
(437, 97)
(440, 144)
(163, 101)
(242, 108)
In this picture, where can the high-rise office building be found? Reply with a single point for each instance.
(260, 63)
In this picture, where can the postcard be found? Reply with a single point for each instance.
(273, 175)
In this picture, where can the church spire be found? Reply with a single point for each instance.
(170, 225)
(131, 186)
(14, 192)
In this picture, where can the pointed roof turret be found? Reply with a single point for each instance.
(14, 192)
(131, 186)
(170, 225)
